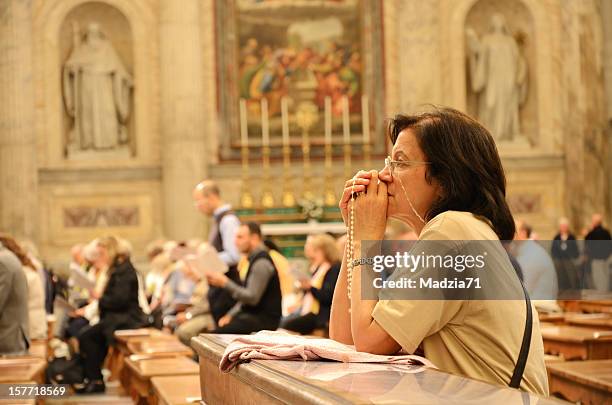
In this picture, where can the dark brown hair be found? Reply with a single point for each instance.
(254, 228)
(12, 245)
(464, 161)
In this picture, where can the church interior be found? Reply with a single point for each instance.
(236, 201)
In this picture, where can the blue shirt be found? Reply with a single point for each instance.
(228, 227)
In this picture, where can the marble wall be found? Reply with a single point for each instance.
(169, 48)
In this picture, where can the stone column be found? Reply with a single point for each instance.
(606, 17)
(182, 127)
(18, 171)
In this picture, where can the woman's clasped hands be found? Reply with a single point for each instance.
(370, 205)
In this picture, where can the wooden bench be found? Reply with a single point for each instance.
(118, 353)
(22, 369)
(141, 372)
(596, 306)
(594, 321)
(328, 382)
(574, 342)
(587, 382)
(159, 348)
(177, 390)
(552, 317)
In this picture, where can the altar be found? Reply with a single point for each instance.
(326, 382)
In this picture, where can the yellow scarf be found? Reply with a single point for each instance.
(243, 267)
(310, 304)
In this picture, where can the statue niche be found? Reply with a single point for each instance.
(97, 91)
(498, 76)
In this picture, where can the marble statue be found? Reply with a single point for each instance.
(498, 74)
(97, 90)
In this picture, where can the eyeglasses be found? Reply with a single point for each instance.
(394, 164)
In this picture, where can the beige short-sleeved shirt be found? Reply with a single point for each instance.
(477, 339)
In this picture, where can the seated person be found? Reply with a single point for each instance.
(119, 309)
(282, 266)
(177, 292)
(324, 257)
(197, 318)
(36, 293)
(258, 295)
(88, 314)
(14, 327)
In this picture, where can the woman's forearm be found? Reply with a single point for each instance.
(368, 335)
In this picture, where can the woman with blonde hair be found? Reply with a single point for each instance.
(324, 257)
(119, 309)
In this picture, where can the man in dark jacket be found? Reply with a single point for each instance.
(598, 249)
(258, 295)
(564, 252)
(13, 305)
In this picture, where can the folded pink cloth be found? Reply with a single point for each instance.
(269, 345)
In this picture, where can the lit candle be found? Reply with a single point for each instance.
(328, 121)
(345, 121)
(365, 119)
(265, 130)
(244, 135)
(285, 120)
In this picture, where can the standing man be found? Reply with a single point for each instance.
(14, 326)
(258, 294)
(207, 199)
(598, 252)
(564, 252)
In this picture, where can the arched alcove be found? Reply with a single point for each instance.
(519, 22)
(115, 29)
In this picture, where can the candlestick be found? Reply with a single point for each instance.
(288, 197)
(365, 119)
(265, 129)
(246, 198)
(244, 132)
(285, 120)
(346, 128)
(328, 121)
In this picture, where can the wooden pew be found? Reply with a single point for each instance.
(177, 390)
(574, 342)
(326, 382)
(22, 369)
(38, 349)
(166, 348)
(552, 317)
(587, 382)
(596, 306)
(118, 353)
(141, 372)
(601, 321)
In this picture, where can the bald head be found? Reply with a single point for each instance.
(523, 230)
(596, 220)
(207, 197)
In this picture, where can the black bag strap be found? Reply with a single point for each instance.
(519, 368)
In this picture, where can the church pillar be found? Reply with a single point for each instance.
(606, 16)
(182, 127)
(18, 171)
